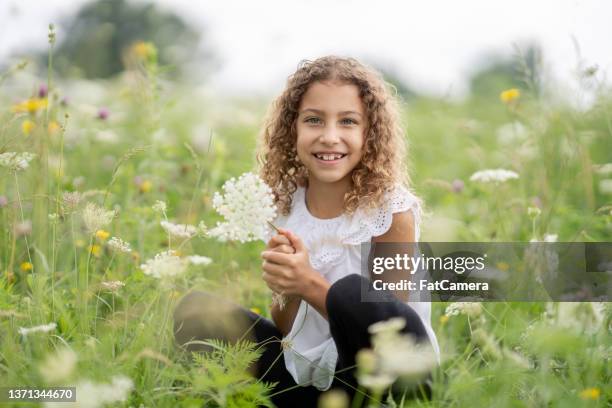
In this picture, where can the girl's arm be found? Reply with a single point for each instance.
(401, 231)
(283, 319)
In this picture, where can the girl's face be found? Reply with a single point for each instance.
(331, 126)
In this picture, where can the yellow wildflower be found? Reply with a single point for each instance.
(503, 266)
(53, 127)
(26, 266)
(443, 319)
(255, 310)
(144, 50)
(146, 186)
(30, 105)
(95, 250)
(27, 126)
(510, 95)
(590, 393)
(102, 235)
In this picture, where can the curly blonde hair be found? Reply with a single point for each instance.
(382, 164)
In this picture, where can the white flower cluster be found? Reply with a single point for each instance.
(494, 176)
(199, 260)
(179, 230)
(587, 317)
(164, 265)
(511, 133)
(202, 230)
(119, 245)
(96, 217)
(604, 169)
(546, 238)
(70, 201)
(159, 207)
(16, 161)
(247, 206)
(59, 366)
(96, 395)
(112, 286)
(470, 309)
(393, 355)
(44, 328)
(605, 186)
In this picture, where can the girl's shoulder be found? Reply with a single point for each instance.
(353, 229)
(371, 222)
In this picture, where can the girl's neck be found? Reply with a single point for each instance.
(326, 200)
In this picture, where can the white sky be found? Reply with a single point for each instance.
(433, 44)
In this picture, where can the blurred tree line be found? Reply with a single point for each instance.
(97, 37)
(493, 74)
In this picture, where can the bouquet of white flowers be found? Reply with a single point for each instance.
(247, 205)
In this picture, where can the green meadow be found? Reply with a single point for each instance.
(141, 137)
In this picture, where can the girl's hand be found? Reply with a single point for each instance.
(285, 272)
(280, 243)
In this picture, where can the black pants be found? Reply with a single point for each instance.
(200, 315)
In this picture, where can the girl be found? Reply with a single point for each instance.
(333, 152)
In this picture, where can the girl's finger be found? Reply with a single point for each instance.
(272, 268)
(296, 241)
(270, 281)
(284, 249)
(281, 239)
(276, 257)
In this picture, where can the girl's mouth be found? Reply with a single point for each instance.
(329, 158)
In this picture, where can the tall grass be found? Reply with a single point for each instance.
(156, 144)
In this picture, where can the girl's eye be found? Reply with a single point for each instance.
(313, 120)
(348, 121)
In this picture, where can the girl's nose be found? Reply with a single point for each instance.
(330, 135)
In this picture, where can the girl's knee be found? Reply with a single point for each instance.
(190, 319)
(344, 293)
(201, 315)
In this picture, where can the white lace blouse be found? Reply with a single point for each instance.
(334, 247)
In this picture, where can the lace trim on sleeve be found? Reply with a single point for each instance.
(368, 224)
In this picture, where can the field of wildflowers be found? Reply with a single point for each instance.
(106, 197)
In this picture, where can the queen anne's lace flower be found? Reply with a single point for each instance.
(393, 355)
(16, 161)
(70, 201)
(118, 244)
(159, 207)
(199, 260)
(394, 325)
(97, 395)
(401, 355)
(471, 309)
(164, 265)
(96, 217)
(247, 206)
(44, 328)
(604, 169)
(179, 230)
(494, 176)
(58, 366)
(376, 382)
(112, 286)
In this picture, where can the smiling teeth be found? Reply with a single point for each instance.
(329, 156)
